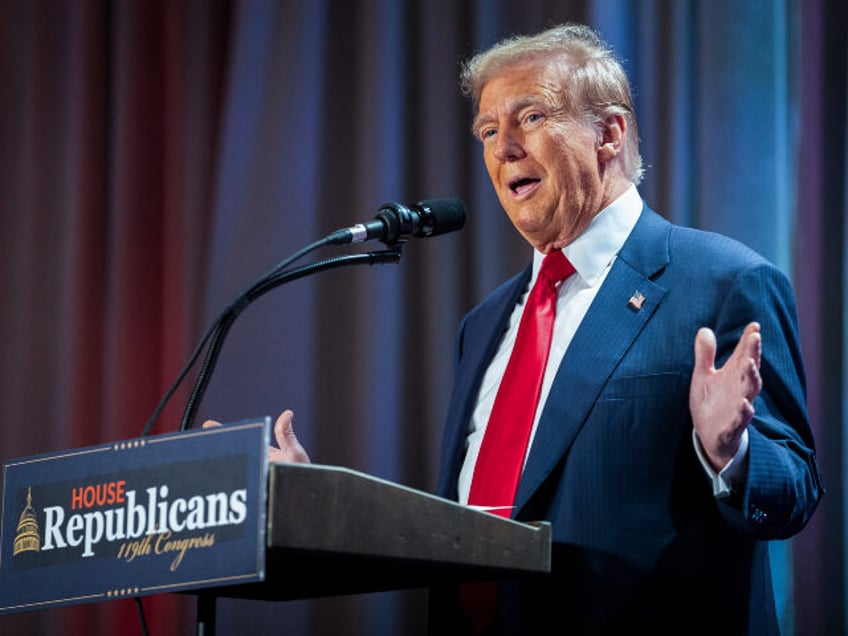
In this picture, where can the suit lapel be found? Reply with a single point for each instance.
(606, 333)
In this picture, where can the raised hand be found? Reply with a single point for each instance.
(721, 400)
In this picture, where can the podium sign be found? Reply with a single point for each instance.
(159, 514)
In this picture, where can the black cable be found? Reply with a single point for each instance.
(141, 615)
(262, 286)
(213, 339)
(328, 240)
(170, 392)
(216, 342)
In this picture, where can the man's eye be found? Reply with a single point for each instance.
(487, 133)
(533, 118)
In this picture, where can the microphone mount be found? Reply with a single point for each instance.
(392, 224)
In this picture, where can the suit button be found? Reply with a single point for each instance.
(758, 515)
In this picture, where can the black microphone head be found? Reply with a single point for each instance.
(441, 216)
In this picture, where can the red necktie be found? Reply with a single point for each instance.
(501, 458)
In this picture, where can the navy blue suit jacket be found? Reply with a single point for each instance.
(640, 541)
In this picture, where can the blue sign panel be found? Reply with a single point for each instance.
(152, 515)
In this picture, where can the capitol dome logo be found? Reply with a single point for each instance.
(27, 537)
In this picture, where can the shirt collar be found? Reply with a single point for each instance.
(597, 246)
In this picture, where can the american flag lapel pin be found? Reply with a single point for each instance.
(636, 300)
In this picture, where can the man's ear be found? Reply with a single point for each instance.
(612, 138)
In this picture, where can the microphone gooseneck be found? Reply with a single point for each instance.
(395, 222)
(392, 224)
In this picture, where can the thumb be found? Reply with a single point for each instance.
(290, 447)
(705, 350)
(283, 430)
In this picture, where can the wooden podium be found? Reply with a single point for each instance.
(334, 531)
(203, 512)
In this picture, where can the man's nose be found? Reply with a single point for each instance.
(508, 146)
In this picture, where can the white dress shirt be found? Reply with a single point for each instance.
(592, 255)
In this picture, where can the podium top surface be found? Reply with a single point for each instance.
(333, 530)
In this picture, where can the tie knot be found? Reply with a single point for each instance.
(555, 267)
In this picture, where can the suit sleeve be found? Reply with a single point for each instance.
(783, 484)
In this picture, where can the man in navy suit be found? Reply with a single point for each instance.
(662, 475)
(671, 439)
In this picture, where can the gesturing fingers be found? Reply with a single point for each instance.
(721, 400)
(746, 358)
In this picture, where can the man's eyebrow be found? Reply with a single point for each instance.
(479, 122)
(513, 106)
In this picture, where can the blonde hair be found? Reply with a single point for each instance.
(594, 84)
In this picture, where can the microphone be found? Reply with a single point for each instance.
(395, 222)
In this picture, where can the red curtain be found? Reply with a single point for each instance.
(109, 120)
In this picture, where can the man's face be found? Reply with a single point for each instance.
(542, 161)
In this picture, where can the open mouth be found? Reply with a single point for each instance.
(522, 185)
